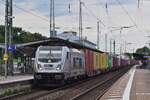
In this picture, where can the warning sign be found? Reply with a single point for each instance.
(5, 58)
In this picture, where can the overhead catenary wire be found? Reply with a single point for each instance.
(141, 16)
(94, 15)
(47, 20)
(127, 13)
(29, 12)
(106, 9)
(90, 11)
(44, 18)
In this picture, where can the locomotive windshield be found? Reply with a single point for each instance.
(50, 56)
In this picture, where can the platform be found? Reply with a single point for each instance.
(13, 84)
(14, 79)
(134, 85)
(141, 85)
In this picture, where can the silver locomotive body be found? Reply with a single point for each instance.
(55, 64)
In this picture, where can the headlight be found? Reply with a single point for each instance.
(39, 67)
(58, 67)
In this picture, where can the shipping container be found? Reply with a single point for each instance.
(110, 61)
(105, 61)
(100, 62)
(124, 62)
(91, 62)
(115, 62)
(96, 60)
(86, 61)
(89, 66)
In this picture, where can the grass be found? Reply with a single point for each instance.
(12, 91)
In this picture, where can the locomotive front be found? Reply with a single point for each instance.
(49, 65)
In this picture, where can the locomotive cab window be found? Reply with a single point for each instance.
(50, 56)
(77, 62)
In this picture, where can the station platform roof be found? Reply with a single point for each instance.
(30, 48)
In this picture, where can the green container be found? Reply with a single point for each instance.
(110, 61)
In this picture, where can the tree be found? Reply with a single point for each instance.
(19, 36)
(145, 50)
(22, 37)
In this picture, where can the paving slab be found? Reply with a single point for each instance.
(120, 89)
(141, 85)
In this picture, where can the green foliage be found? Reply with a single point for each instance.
(20, 36)
(16, 90)
(1, 38)
(8, 92)
(145, 50)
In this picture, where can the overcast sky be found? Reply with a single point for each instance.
(33, 15)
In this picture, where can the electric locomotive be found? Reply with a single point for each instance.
(56, 64)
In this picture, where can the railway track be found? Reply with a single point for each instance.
(97, 91)
(73, 92)
(81, 90)
(38, 92)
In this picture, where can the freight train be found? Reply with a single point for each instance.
(58, 64)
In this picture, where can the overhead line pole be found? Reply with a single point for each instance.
(110, 46)
(138, 3)
(114, 43)
(10, 17)
(98, 35)
(80, 21)
(121, 42)
(6, 35)
(106, 42)
(10, 23)
(53, 17)
(50, 18)
(8, 32)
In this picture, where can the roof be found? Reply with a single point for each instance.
(54, 42)
(30, 48)
(72, 36)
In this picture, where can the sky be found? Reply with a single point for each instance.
(33, 16)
